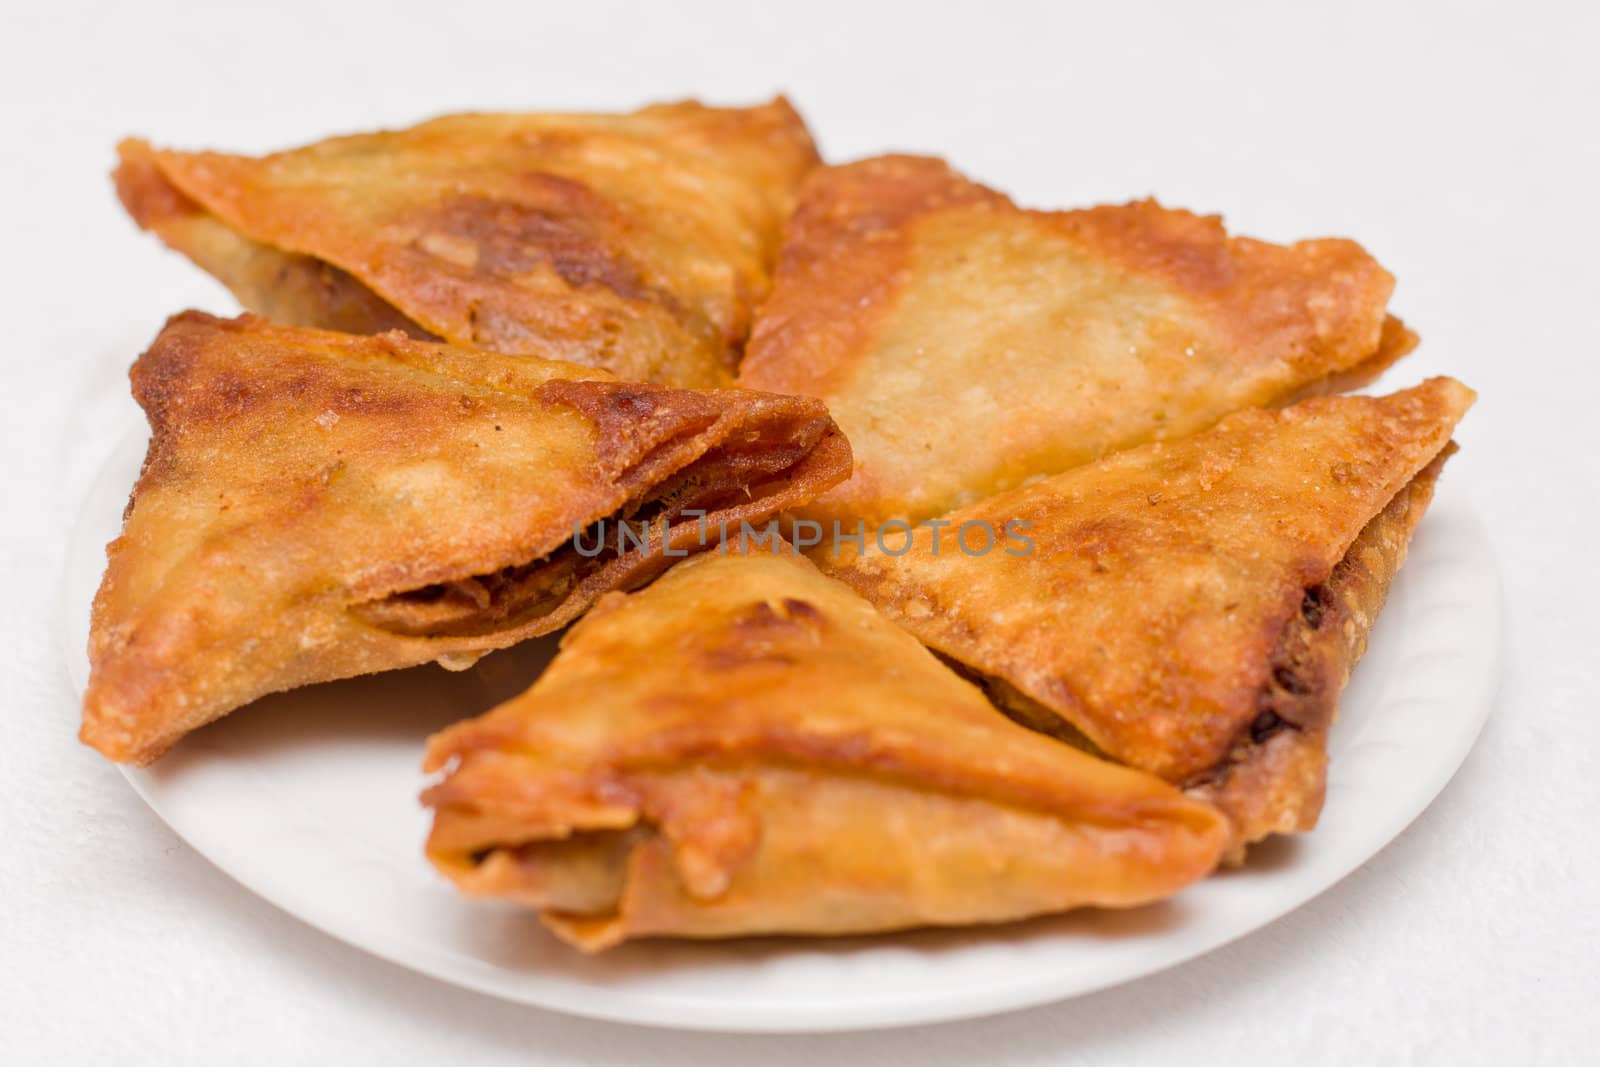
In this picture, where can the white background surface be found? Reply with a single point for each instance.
(1458, 143)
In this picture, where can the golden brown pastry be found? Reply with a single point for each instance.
(965, 344)
(747, 747)
(318, 505)
(638, 243)
(1194, 607)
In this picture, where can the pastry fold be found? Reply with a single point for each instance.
(747, 747)
(317, 505)
(1194, 607)
(965, 344)
(638, 243)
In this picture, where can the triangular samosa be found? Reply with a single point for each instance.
(965, 344)
(747, 747)
(318, 505)
(1193, 607)
(639, 243)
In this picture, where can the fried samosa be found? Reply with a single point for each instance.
(318, 505)
(965, 344)
(747, 747)
(637, 243)
(1194, 607)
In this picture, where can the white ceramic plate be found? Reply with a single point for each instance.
(309, 799)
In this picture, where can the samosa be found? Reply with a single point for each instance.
(638, 243)
(1192, 607)
(317, 505)
(966, 345)
(747, 747)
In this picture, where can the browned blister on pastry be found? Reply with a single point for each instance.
(318, 505)
(747, 747)
(965, 344)
(1191, 607)
(639, 243)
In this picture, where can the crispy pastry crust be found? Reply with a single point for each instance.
(1272, 779)
(1192, 608)
(638, 243)
(317, 505)
(746, 747)
(965, 344)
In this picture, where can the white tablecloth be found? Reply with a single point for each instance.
(1460, 148)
